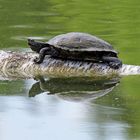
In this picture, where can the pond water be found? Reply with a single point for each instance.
(71, 109)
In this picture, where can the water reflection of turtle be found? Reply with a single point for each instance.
(77, 46)
(75, 89)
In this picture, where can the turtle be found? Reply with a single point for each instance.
(76, 46)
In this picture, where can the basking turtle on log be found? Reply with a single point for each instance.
(68, 55)
(76, 46)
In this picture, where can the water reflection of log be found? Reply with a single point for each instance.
(75, 89)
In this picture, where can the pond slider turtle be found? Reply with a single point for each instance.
(76, 46)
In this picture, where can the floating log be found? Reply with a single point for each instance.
(21, 65)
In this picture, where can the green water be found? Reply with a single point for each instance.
(71, 109)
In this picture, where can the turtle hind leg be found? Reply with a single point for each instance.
(113, 62)
(42, 54)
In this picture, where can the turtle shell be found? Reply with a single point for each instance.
(81, 42)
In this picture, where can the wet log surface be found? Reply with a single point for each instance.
(21, 65)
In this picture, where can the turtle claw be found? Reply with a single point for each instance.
(37, 60)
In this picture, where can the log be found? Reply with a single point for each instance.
(21, 65)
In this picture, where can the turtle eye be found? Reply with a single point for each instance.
(30, 41)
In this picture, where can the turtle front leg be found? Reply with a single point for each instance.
(42, 54)
(113, 62)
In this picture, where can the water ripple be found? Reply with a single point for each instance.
(32, 37)
(21, 26)
(37, 13)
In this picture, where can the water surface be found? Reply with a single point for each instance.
(71, 109)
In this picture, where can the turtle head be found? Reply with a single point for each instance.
(36, 45)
